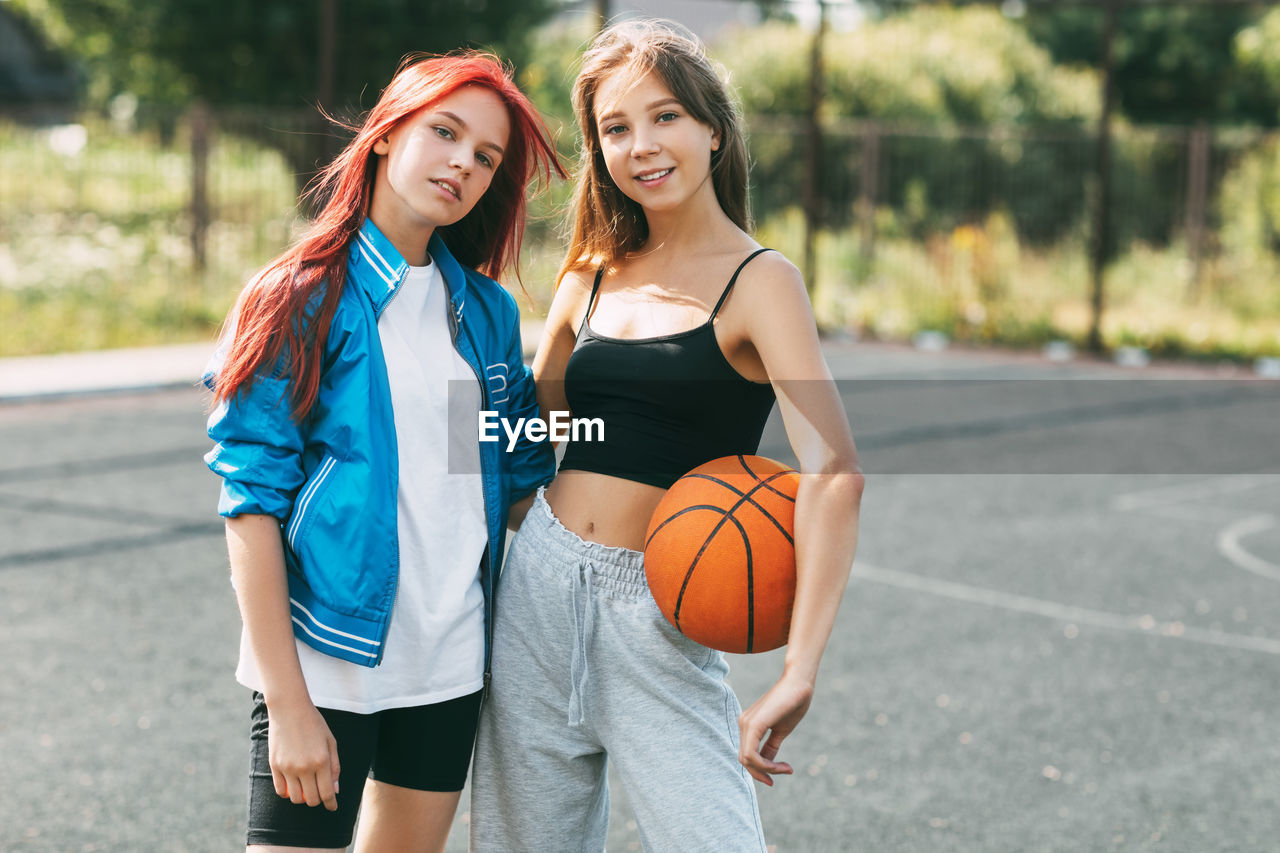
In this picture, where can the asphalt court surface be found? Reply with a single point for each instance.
(1062, 632)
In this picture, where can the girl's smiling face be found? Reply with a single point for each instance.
(657, 153)
(437, 164)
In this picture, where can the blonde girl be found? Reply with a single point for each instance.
(677, 330)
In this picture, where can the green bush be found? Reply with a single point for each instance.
(942, 68)
(1250, 204)
(1257, 54)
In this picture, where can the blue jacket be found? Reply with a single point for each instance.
(331, 479)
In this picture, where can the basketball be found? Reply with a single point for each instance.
(720, 556)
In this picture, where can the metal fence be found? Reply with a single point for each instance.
(135, 228)
(984, 232)
(142, 226)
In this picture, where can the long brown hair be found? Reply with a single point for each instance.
(280, 325)
(606, 224)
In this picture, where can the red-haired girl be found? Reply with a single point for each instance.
(365, 522)
(677, 330)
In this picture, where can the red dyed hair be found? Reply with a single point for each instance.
(279, 327)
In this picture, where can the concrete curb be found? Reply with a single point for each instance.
(140, 369)
(102, 372)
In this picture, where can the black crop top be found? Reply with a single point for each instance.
(668, 403)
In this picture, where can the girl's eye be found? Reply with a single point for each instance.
(668, 116)
(614, 129)
(444, 132)
(485, 160)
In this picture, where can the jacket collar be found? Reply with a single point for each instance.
(379, 268)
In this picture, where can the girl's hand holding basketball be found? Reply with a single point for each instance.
(303, 756)
(776, 713)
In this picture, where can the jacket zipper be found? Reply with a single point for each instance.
(484, 399)
(395, 595)
(488, 551)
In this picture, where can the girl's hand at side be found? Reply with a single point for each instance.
(303, 755)
(300, 748)
(775, 714)
(780, 325)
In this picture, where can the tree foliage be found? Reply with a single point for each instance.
(555, 54)
(1173, 64)
(971, 66)
(266, 52)
(1257, 53)
(936, 66)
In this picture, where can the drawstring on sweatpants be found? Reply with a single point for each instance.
(582, 629)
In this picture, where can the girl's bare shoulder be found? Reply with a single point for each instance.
(570, 300)
(576, 281)
(770, 281)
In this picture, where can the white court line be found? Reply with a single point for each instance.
(1196, 513)
(1145, 624)
(1191, 491)
(1229, 545)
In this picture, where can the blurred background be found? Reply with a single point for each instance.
(1087, 173)
(1027, 659)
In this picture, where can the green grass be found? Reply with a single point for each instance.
(95, 252)
(979, 284)
(95, 248)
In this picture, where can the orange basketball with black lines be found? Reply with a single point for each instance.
(720, 553)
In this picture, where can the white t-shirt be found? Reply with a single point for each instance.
(435, 645)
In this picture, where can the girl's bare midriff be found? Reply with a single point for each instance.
(604, 509)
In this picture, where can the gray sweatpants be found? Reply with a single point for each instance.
(586, 669)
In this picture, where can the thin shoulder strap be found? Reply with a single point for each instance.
(732, 281)
(592, 301)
